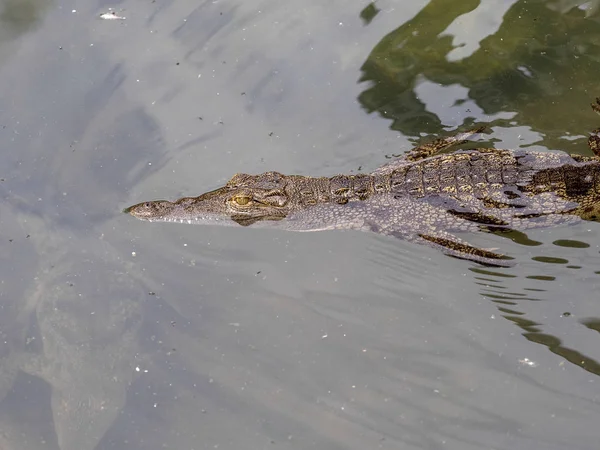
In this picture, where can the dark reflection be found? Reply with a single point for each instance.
(505, 298)
(493, 286)
(522, 68)
(550, 260)
(592, 324)
(541, 277)
(407, 53)
(528, 325)
(491, 273)
(20, 16)
(573, 356)
(510, 311)
(369, 12)
(508, 303)
(570, 243)
(517, 237)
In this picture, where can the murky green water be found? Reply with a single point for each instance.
(120, 334)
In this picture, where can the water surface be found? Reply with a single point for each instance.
(122, 334)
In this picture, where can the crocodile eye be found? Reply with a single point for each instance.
(242, 200)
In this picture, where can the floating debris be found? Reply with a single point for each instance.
(111, 15)
(528, 362)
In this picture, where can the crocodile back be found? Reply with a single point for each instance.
(484, 172)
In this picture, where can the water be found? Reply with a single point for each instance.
(121, 334)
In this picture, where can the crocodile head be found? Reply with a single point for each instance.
(245, 200)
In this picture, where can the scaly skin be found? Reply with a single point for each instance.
(423, 197)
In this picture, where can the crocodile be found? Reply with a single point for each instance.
(425, 197)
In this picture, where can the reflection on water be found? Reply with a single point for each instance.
(592, 324)
(19, 16)
(518, 237)
(570, 243)
(550, 260)
(511, 304)
(589, 6)
(555, 346)
(369, 13)
(516, 73)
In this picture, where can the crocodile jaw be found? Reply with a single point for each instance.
(165, 211)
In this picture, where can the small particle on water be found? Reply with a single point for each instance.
(528, 362)
(111, 15)
(134, 254)
(324, 336)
